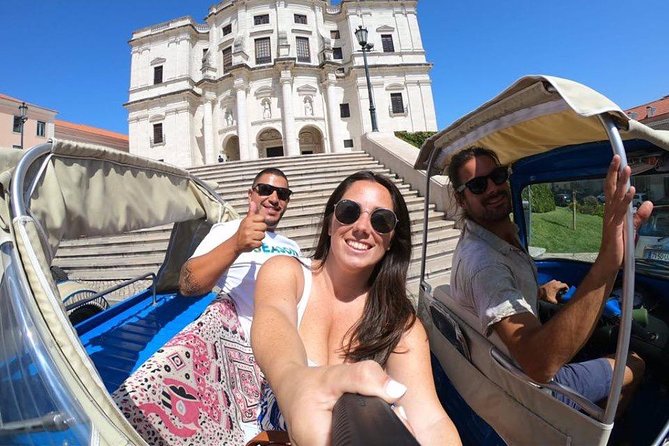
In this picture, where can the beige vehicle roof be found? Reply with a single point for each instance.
(73, 190)
(536, 114)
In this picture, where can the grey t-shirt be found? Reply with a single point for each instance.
(491, 278)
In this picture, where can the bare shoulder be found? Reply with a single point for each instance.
(414, 337)
(280, 275)
(279, 264)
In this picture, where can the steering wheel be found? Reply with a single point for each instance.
(606, 333)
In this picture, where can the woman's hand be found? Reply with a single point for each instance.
(307, 396)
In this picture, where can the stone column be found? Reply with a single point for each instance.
(414, 30)
(242, 121)
(208, 131)
(216, 127)
(415, 103)
(288, 119)
(336, 145)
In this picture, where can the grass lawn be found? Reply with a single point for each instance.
(552, 230)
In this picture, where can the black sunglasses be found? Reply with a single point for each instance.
(478, 185)
(348, 212)
(267, 189)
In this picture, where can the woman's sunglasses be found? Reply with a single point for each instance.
(478, 185)
(265, 190)
(348, 212)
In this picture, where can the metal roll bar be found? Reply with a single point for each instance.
(622, 347)
(426, 209)
(588, 406)
(18, 200)
(116, 287)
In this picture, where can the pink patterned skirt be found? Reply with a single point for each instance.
(202, 387)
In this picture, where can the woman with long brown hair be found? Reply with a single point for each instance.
(345, 323)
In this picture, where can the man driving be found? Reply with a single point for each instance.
(494, 277)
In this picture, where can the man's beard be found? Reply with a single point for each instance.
(489, 214)
(273, 222)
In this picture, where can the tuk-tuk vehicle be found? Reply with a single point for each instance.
(557, 135)
(56, 380)
(77, 371)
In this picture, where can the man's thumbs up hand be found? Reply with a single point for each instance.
(251, 230)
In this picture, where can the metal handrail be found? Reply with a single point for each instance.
(664, 435)
(426, 210)
(114, 288)
(588, 406)
(53, 421)
(18, 200)
(622, 347)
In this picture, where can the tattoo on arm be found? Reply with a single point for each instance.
(187, 283)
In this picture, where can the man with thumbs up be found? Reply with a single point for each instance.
(231, 255)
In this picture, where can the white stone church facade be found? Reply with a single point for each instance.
(267, 78)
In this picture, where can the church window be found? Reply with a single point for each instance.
(396, 102)
(157, 134)
(303, 54)
(227, 59)
(158, 74)
(387, 43)
(263, 51)
(16, 125)
(262, 19)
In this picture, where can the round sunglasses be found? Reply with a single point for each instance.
(348, 212)
(267, 189)
(478, 185)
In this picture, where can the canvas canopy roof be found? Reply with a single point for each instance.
(536, 114)
(64, 190)
(85, 190)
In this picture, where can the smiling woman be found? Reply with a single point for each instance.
(343, 323)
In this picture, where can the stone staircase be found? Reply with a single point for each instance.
(102, 262)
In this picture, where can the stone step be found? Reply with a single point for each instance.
(283, 159)
(279, 162)
(434, 267)
(340, 168)
(438, 260)
(303, 183)
(146, 243)
(230, 193)
(317, 199)
(152, 259)
(102, 261)
(296, 211)
(436, 279)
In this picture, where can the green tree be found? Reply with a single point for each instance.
(414, 138)
(542, 198)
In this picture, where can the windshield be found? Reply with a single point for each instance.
(565, 221)
(35, 406)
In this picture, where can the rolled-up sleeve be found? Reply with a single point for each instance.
(496, 296)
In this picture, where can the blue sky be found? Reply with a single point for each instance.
(73, 55)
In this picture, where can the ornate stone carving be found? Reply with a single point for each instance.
(308, 106)
(266, 108)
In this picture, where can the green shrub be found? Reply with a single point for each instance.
(542, 198)
(590, 206)
(414, 138)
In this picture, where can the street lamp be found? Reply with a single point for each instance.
(23, 108)
(361, 34)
